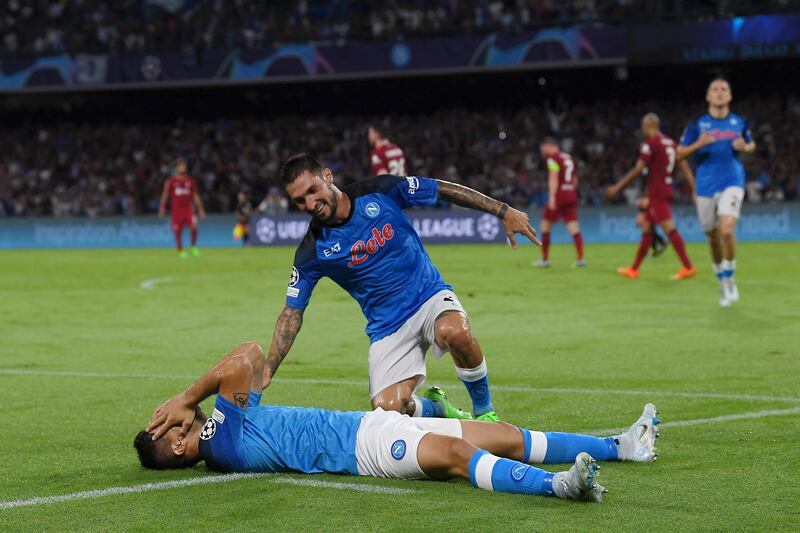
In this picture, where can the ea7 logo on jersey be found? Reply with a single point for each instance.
(336, 248)
(209, 429)
(361, 251)
(413, 184)
(399, 449)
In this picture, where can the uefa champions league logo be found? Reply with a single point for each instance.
(266, 230)
(209, 429)
(488, 227)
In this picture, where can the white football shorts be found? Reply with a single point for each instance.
(401, 355)
(387, 442)
(727, 203)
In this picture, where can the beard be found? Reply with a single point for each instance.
(333, 203)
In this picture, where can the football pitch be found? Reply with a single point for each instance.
(93, 341)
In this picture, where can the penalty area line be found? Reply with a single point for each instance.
(204, 480)
(701, 421)
(150, 283)
(359, 383)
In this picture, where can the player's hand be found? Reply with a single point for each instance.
(202, 214)
(739, 144)
(551, 205)
(611, 191)
(161, 213)
(174, 412)
(705, 139)
(516, 221)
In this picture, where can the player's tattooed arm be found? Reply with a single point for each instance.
(514, 221)
(286, 330)
(240, 399)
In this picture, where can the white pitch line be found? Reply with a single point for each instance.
(164, 485)
(701, 421)
(359, 383)
(150, 283)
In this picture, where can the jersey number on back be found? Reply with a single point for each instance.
(397, 167)
(568, 171)
(671, 155)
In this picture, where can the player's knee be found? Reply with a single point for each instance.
(456, 337)
(726, 232)
(252, 347)
(460, 454)
(397, 403)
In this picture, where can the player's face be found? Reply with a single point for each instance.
(314, 194)
(180, 167)
(546, 149)
(372, 136)
(648, 128)
(719, 93)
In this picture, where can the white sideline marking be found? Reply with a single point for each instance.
(163, 485)
(700, 421)
(150, 283)
(359, 383)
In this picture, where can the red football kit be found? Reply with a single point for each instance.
(388, 159)
(658, 153)
(181, 192)
(566, 195)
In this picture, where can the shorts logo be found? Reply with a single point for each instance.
(294, 278)
(209, 429)
(372, 209)
(518, 472)
(399, 449)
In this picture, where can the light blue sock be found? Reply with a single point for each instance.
(476, 380)
(728, 268)
(553, 447)
(489, 472)
(427, 408)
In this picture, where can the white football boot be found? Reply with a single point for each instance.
(639, 442)
(579, 482)
(724, 300)
(732, 289)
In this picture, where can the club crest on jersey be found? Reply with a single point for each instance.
(294, 278)
(372, 209)
(399, 449)
(360, 251)
(209, 429)
(518, 472)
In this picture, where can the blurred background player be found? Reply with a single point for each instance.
(715, 140)
(562, 199)
(386, 157)
(181, 190)
(658, 153)
(243, 211)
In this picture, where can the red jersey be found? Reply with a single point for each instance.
(181, 191)
(388, 159)
(562, 163)
(658, 153)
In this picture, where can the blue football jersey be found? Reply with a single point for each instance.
(717, 164)
(279, 439)
(375, 254)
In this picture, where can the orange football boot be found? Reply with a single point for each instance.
(628, 272)
(684, 273)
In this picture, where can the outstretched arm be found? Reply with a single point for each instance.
(514, 221)
(286, 330)
(232, 377)
(626, 180)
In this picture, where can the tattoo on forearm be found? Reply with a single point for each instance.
(285, 332)
(240, 398)
(466, 197)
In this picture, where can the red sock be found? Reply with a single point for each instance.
(194, 236)
(680, 247)
(578, 238)
(178, 240)
(545, 245)
(644, 246)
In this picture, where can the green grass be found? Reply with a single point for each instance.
(586, 329)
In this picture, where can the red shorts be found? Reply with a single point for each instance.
(179, 220)
(658, 210)
(569, 212)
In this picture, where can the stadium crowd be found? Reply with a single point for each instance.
(40, 27)
(75, 169)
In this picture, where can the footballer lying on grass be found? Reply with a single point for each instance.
(241, 436)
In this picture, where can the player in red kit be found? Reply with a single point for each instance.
(562, 199)
(658, 154)
(386, 157)
(181, 190)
